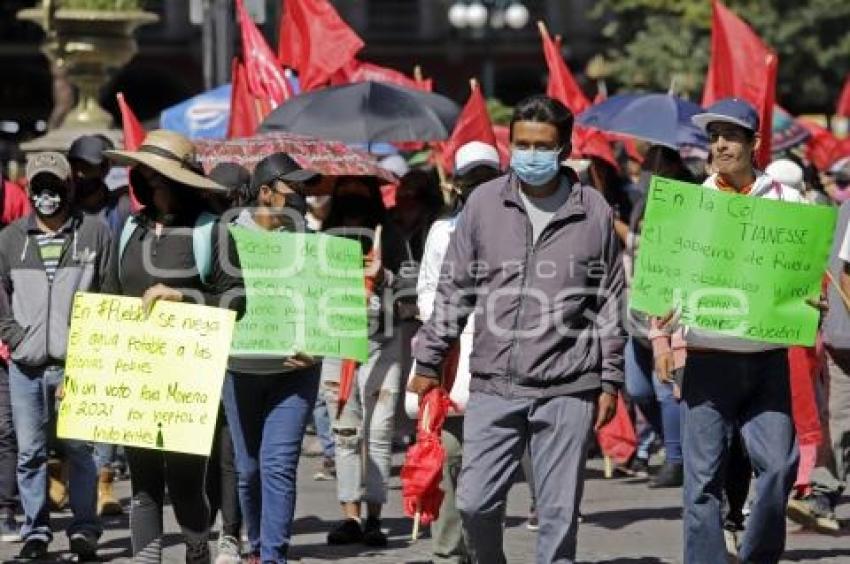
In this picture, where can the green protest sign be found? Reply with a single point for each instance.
(305, 293)
(733, 264)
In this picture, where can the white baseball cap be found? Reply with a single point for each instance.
(395, 164)
(788, 173)
(474, 154)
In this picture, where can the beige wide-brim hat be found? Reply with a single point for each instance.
(169, 154)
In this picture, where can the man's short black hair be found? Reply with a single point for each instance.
(543, 109)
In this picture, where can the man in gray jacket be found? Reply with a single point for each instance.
(535, 255)
(45, 258)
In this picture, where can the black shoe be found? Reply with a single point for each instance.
(372, 533)
(671, 476)
(34, 549)
(84, 545)
(347, 532)
(635, 468)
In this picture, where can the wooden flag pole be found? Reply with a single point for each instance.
(844, 297)
(417, 517)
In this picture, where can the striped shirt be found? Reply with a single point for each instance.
(50, 247)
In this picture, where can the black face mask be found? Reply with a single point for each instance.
(297, 202)
(358, 207)
(141, 188)
(88, 186)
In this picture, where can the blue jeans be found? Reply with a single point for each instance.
(33, 391)
(268, 415)
(654, 397)
(721, 391)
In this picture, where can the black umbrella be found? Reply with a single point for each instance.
(366, 112)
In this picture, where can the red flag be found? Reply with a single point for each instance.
(742, 65)
(562, 85)
(266, 79)
(315, 41)
(589, 143)
(617, 439)
(823, 148)
(134, 134)
(246, 111)
(843, 107)
(360, 71)
(473, 124)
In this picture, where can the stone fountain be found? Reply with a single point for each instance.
(89, 45)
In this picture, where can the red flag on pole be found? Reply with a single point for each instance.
(473, 124)
(315, 41)
(246, 111)
(134, 134)
(361, 71)
(562, 85)
(823, 148)
(843, 107)
(617, 439)
(742, 65)
(266, 79)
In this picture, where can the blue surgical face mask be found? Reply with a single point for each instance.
(535, 167)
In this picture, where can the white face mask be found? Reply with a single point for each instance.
(47, 203)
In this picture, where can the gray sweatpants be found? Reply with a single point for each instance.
(834, 455)
(495, 434)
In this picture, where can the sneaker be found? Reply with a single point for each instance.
(347, 532)
(253, 559)
(35, 548)
(328, 471)
(9, 530)
(372, 533)
(84, 545)
(198, 552)
(672, 475)
(814, 512)
(228, 550)
(635, 468)
(532, 524)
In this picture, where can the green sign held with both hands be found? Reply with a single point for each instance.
(305, 294)
(732, 264)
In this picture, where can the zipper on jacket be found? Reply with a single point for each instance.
(530, 249)
(529, 253)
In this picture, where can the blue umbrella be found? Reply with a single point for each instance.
(204, 116)
(660, 119)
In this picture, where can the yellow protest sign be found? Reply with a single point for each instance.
(144, 381)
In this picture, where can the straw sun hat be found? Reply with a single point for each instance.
(169, 154)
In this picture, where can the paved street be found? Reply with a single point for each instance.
(625, 523)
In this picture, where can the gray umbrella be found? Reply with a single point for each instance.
(366, 112)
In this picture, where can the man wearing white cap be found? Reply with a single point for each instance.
(475, 163)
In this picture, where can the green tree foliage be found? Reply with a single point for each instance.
(656, 42)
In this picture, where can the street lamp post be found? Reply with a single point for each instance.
(479, 16)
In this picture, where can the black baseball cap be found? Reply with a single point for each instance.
(280, 166)
(90, 148)
(230, 175)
